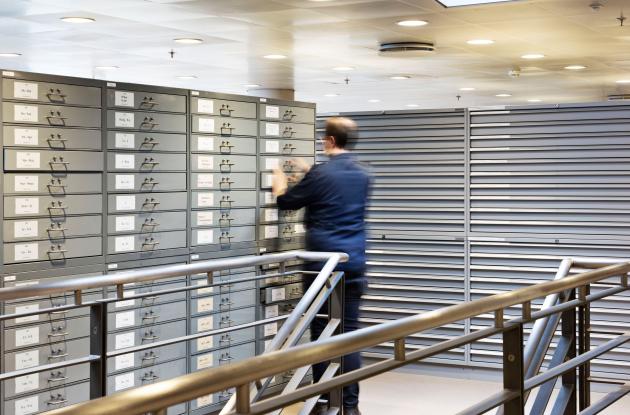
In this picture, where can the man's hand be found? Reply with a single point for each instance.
(302, 165)
(279, 182)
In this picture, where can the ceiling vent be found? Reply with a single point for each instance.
(406, 49)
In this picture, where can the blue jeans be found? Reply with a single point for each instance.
(355, 284)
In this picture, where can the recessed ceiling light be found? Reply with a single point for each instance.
(623, 81)
(503, 95)
(10, 55)
(534, 100)
(533, 56)
(274, 56)
(575, 67)
(331, 95)
(399, 77)
(343, 68)
(187, 77)
(480, 42)
(412, 23)
(251, 85)
(106, 67)
(76, 19)
(413, 105)
(457, 3)
(467, 88)
(374, 100)
(188, 40)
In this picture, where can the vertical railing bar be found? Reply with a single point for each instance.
(498, 318)
(513, 369)
(242, 399)
(399, 350)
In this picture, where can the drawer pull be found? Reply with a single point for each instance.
(150, 316)
(56, 141)
(57, 400)
(150, 223)
(225, 238)
(225, 358)
(52, 229)
(288, 132)
(60, 334)
(226, 199)
(150, 356)
(226, 184)
(225, 395)
(56, 115)
(57, 377)
(148, 121)
(150, 298)
(64, 312)
(58, 355)
(288, 148)
(150, 161)
(55, 95)
(288, 115)
(150, 202)
(225, 144)
(58, 206)
(149, 141)
(59, 161)
(56, 184)
(227, 129)
(150, 242)
(149, 377)
(226, 321)
(149, 102)
(57, 251)
(149, 181)
(149, 336)
(226, 110)
(225, 221)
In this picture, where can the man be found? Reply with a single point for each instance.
(335, 194)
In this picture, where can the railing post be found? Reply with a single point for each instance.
(243, 399)
(98, 347)
(336, 310)
(513, 369)
(569, 379)
(584, 372)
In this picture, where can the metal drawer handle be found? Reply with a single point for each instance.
(150, 242)
(58, 206)
(288, 148)
(226, 321)
(226, 126)
(150, 122)
(56, 115)
(62, 334)
(150, 356)
(148, 316)
(57, 251)
(151, 298)
(226, 338)
(149, 336)
(223, 224)
(288, 115)
(150, 202)
(149, 377)
(224, 236)
(64, 312)
(58, 356)
(150, 161)
(56, 139)
(149, 181)
(56, 161)
(226, 144)
(59, 184)
(226, 110)
(56, 93)
(225, 358)
(225, 395)
(57, 377)
(288, 132)
(148, 101)
(57, 400)
(150, 223)
(149, 141)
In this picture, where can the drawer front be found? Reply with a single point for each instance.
(146, 121)
(144, 203)
(223, 236)
(271, 215)
(223, 163)
(52, 138)
(58, 331)
(145, 316)
(24, 206)
(47, 401)
(42, 303)
(45, 380)
(45, 354)
(224, 218)
(223, 107)
(146, 222)
(146, 101)
(207, 343)
(282, 293)
(287, 164)
(55, 161)
(51, 230)
(222, 356)
(146, 242)
(146, 358)
(266, 198)
(223, 145)
(53, 184)
(146, 335)
(224, 126)
(146, 376)
(288, 114)
(53, 251)
(223, 181)
(222, 302)
(146, 162)
(146, 141)
(287, 147)
(287, 130)
(51, 115)
(228, 285)
(288, 232)
(224, 200)
(51, 93)
(146, 182)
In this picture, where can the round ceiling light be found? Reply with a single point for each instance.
(575, 67)
(534, 100)
(533, 56)
(77, 19)
(275, 56)
(10, 55)
(188, 40)
(503, 95)
(480, 42)
(399, 77)
(467, 89)
(412, 23)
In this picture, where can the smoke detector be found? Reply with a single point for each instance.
(406, 48)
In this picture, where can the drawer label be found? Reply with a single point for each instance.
(205, 143)
(271, 215)
(271, 329)
(270, 198)
(205, 304)
(205, 236)
(25, 113)
(25, 90)
(26, 183)
(125, 319)
(26, 136)
(125, 223)
(27, 406)
(268, 180)
(27, 206)
(124, 119)
(205, 343)
(125, 202)
(299, 228)
(27, 160)
(124, 381)
(206, 125)
(204, 400)
(272, 311)
(278, 294)
(204, 361)
(126, 303)
(205, 323)
(26, 252)
(27, 383)
(124, 361)
(271, 232)
(205, 218)
(205, 181)
(125, 182)
(27, 336)
(26, 360)
(27, 309)
(25, 229)
(272, 146)
(205, 162)
(205, 199)
(124, 340)
(272, 129)
(207, 290)
(271, 163)
(125, 161)
(205, 106)
(272, 111)
(125, 140)
(124, 99)
(124, 243)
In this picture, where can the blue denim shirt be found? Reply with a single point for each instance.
(335, 195)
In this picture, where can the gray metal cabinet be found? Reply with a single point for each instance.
(223, 236)
(47, 401)
(223, 107)
(51, 92)
(142, 203)
(55, 251)
(145, 358)
(223, 145)
(45, 353)
(146, 141)
(57, 331)
(50, 115)
(222, 163)
(52, 183)
(224, 126)
(145, 335)
(53, 206)
(56, 378)
(145, 101)
(287, 113)
(146, 182)
(148, 315)
(146, 121)
(146, 375)
(146, 222)
(223, 199)
(55, 161)
(224, 218)
(146, 162)
(49, 229)
(146, 242)
(57, 138)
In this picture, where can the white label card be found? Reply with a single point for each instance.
(126, 303)
(205, 218)
(25, 229)
(205, 343)
(25, 90)
(269, 198)
(124, 243)
(272, 311)
(27, 383)
(125, 319)
(272, 146)
(124, 99)
(27, 359)
(205, 162)
(27, 205)
(271, 329)
(204, 400)
(272, 129)
(278, 294)
(126, 202)
(205, 323)
(25, 113)
(26, 183)
(299, 228)
(268, 180)
(205, 181)
(125, 182)
(27, 309)
(26, 406)
(27, 160)
(124, 381)
(27, 336)
(271, 232)
(26, 136)
(204, 361)
(205, 106)
(125, 340)
(125, 223)
(205, 236)
(26, 252)
(124, 119)
(271, 215)
(205, 304)
(272, 111)
(124, 361)
(125, 161)
(205, 143)
(208, 290)
(205, 199)
(206, 125)
(125, 140)
(271, 163)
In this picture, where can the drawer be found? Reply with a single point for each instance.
(56, 378)
(223, 163)
(223, 181)
(287, 147)
(286, 292)
(222, 302)
(146, 121)
(47, 401)
(54, 275)
(146, 316)
(224, 200)
(149, 301)
(223, 320)
(45, 353)
(58, 331)
(52, 138)
(51, 115)
(146, 182)
(146, 358)
(146, 101)
(224, 126)
(271, 215)
(225, 237)
(223, 145)
(53, 251)
(266, 198)
(228, 285)
(49, 206)
(224, 218)
(146, 162)
(146, 141)
(55, 161)
(146, 335)
(222, 356)
(52, 183)
(146, 222)
(51, 230)
(223, 107)
(227, 339)
(51, 92)
(146, 376)
(287, 130)
(285, 231)
(143, 203)
(146, 242)
(286, 113)
(287, 164)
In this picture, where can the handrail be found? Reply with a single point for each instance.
(156, 397)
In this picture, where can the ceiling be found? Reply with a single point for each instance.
(136, 36)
